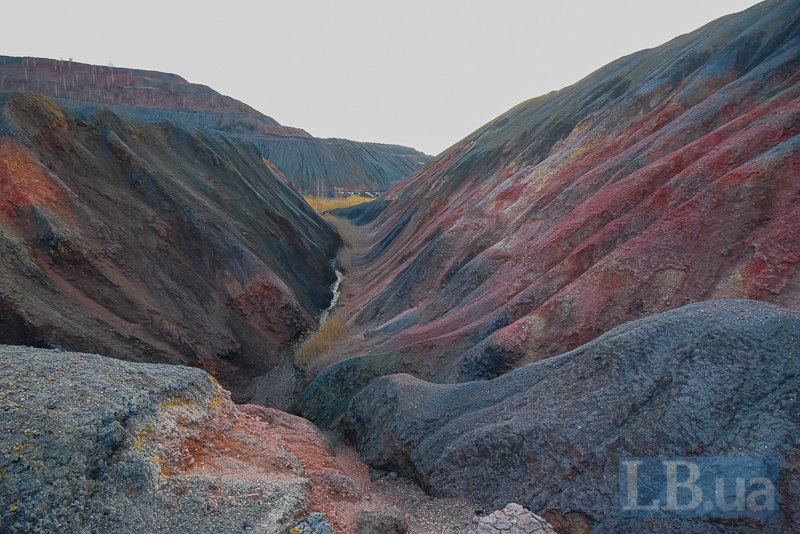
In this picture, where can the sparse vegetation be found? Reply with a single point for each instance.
(323, 204)
(215, 401)
(178, 402)
(320, 348)
(156, 460)
(317, 343)
(353, 236)
(143, 437)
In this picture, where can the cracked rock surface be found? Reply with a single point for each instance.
(513, 519)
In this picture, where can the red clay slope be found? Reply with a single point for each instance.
(669, 176)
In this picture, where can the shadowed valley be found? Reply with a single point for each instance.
(604, 272)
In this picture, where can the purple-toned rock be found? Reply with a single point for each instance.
(712, 379)
(667, 177)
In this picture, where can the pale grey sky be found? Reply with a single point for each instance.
(412, 72)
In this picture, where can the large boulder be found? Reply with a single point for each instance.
(94, 444)
(709, 379)
(327, 397)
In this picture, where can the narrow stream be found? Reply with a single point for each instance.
(335, 288)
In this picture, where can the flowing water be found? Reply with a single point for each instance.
(335, 288)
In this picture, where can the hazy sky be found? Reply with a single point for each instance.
(418, 73)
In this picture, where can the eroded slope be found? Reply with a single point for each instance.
(667, 177)
(310, 163)
(717, 378)
(152, 243)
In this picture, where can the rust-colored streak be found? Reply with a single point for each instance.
(23, 182)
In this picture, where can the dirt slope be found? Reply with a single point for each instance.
(667, 177)
(310, 163)
(152, 243)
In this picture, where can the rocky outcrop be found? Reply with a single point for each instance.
(327, 397)
(513, 519)
(667, 177)
(312, 165)
(314, 524)
(717, 378)
(380, 523)
(153, 243)
(94, 444)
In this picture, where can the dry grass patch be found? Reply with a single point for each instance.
(353, 237)
(316, 344)
(323, 347)
(323, 204)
